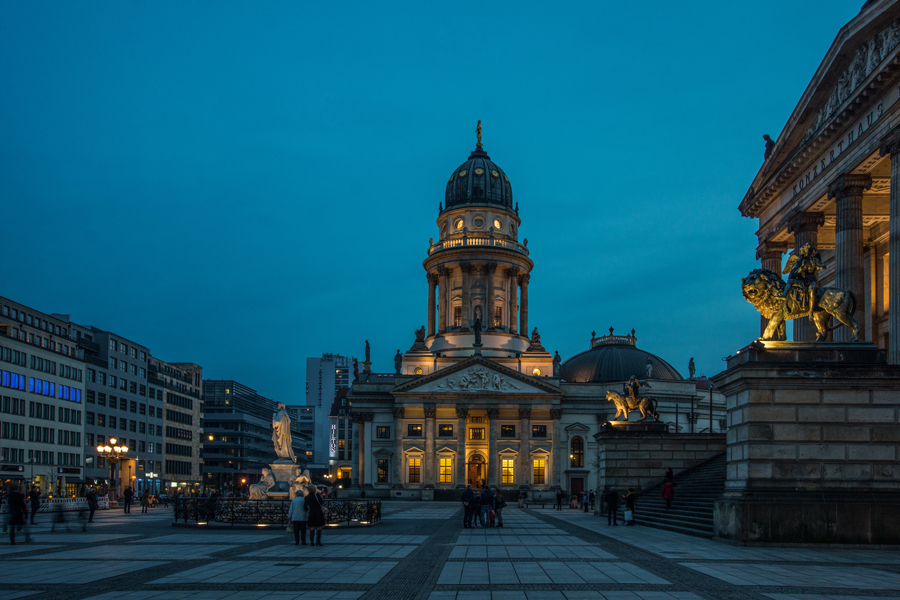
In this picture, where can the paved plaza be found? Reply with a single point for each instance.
(422, 552)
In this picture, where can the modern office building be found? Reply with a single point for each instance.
(177, 387)
(237, 426)
(325, 376)
(305, 417)
(41, 396)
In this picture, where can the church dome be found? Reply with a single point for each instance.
(615, 358)
(478, 181)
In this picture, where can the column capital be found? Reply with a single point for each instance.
(890, 144)
(806, 221)
(512, 271)
(466, 267)
(493, 413)
(430, 412)
(433, 277)
(849, 184)
(362, 417)
(443, 271)
(771, 250)
(491, 268)
(524, 413)
(398, 412)
(556, 413)
(524, 278)
(462, 413)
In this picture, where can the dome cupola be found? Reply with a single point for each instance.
(478, 181)
(616, 358)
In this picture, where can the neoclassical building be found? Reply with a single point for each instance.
(478, 398)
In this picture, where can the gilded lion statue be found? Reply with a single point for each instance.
(625, 404)
(765, 291)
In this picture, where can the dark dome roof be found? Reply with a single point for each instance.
(478, 181)
(615, 362)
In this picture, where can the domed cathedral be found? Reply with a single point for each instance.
(477, 400)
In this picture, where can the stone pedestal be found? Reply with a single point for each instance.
(283, 470)
(813, 441)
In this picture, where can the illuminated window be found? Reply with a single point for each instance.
(382, 470)
(498, 316)
(508, 468)
(577, 455)
(383, 432)
(445, 431)
(476, 433)
(457, 316)
(445, 470)
(344, 473)
(418, 370)
(415, 470)
(539, 431)
(540, 471)
(414, 431)
(508, 431)
(535, 371)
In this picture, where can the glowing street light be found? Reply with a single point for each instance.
(112, 455)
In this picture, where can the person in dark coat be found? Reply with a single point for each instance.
(629, 505)
(476, 507)
(668, 492)
(612, 506)
(34, 498)
(468, 502)
(91, 496)
(487, 503)
(127, 496)
(315, 508)
(560, 496)
(18, 514)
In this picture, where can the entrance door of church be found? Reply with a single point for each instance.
(577, 485)
(475, 471)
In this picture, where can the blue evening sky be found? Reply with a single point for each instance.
(244, 185)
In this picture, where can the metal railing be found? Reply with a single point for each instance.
(492, 242)
(269, 512)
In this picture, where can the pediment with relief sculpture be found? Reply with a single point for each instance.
(477, 376)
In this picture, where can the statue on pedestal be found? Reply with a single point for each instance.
(557, 361)
(691, 368)
(258, 491)
(398, 362)
(476, 327)
(299, 483)
(281, 433)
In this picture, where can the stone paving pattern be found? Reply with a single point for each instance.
(421, 552)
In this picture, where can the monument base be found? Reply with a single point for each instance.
(630, 427)
(283, 470)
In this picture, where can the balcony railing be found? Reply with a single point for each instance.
(468, 240)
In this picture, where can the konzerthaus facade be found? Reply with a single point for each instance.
(478, 398)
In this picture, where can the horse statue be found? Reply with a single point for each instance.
(626, 404)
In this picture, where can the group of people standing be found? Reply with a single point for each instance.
(307, 510)
(484, 507)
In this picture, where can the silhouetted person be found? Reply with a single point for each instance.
(34, 498)
(612, 506)
(127, 496)
(18, 513)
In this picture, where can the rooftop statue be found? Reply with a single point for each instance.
(691, 368)
(368, 352)
(626, 404)
(281, 433)
(476, 327)
(398, 362)
(557, 361)
(800, 297)
(770, 145)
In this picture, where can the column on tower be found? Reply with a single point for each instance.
(398, 446)
(430, 414)
(805, 227)
(461, 414)
(558, 450)
(432, 283)
(891, 146)
(524, 278)
(512, 274)
(524, 447)
(849, 274)
(492, 463)
(466, 269)
(769, 253)
(443, 318)
(490, 269)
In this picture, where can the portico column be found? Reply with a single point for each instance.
(461, 414)
(512, 274)
(361, 419)
(398, 447)
(444, 274)
(769, 254)
(523, 313)
(849, 273)
(492, 413)
(432, 282)
(558, 450)
(524, 447)
(466, 270)
(490, 269)
(430, 414)
(805, 227)
(891, 146)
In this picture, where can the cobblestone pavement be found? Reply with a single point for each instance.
(421, 552)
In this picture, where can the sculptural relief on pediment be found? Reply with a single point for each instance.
(474, 379)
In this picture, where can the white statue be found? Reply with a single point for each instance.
(266, 483)
(299, 483)
(281, 433)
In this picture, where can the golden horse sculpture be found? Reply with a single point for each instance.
(625, 404)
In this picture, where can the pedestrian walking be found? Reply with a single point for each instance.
(34, 498)
(560, 496)
(315, 508)
(487, 503)
(612, 506)
(586, 501)
(127, 496)
(668, 492)
(91, 496)
(629, 507)
(145, 502)
(298, 516)
(592, 496)
(476, 508)
(669, 475)
(575, 499)
(59, 518)
(468, 502)
(18, 514)
(521, 500)
(499, 505)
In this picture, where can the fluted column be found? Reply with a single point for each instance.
(466, 269)
(443, 317)
(891, 146)
(490, 269)
(524, 475)
(461, 414)
(769, 254)
(558, 450)
(492, 463)
(361, 448)
(523, 312)
(432, 283)
(398, 447)
(849, 273)
(512, 274)
(805, 227)
(430, 414)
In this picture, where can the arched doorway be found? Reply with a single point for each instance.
(475, 470)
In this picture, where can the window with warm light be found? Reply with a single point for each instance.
(344, 472)
(476, 433)
(382, 469)
(577, 452)
(535, 371)
(540, 471)
(415, 470)
(383, 432)
(508, 431)
(539, 431)
(445, 470)
(414, 430)
(457, 316)
(507, 467)
(445, 430)
(498, 316)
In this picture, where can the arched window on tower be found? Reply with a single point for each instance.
(457, 316)
(498, 316)
(577, 454)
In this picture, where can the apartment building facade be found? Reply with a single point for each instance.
(325, 376)
(178, 388)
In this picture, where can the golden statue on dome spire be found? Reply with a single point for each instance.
(478, 133)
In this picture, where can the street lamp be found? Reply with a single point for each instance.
(112, 455)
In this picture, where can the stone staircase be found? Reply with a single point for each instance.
(696, 491)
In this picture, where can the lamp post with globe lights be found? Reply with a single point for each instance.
(112, 455)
